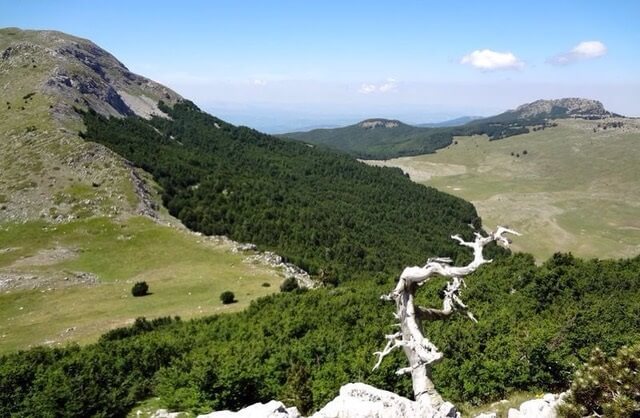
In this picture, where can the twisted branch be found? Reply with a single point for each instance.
(421, 352)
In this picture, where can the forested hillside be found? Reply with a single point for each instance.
(326, 212)
(536, 325)
(403, 140)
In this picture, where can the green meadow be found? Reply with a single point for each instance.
(186, 274)
(574, 187)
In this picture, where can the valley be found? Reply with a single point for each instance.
(110, 179)
(571, 188)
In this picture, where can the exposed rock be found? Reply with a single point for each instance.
(356, 400)
(379, 123)
(163, 413)
(272, 409)
(289, 270)
(538, 408)
(562, 108)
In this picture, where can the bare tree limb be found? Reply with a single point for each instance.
(420, 351)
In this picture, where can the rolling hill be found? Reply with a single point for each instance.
(363, 141)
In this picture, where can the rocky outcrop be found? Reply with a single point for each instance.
(272, 409)
(566, 107)
(379, 123)
(359, 400)
(538, 408)
(271, 259)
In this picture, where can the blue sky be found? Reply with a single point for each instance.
(291, 63)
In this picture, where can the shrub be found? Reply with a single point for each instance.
(606, 387)
(140, 289)
(289, 285)
(227, 297)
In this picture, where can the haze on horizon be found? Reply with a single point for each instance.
(285, 65)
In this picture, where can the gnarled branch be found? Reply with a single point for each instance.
(421, 352)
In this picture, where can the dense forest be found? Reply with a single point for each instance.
(352, 226)
(323, 211)
(536, 326)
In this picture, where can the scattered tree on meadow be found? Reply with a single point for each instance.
(227, 297)
(140, 289)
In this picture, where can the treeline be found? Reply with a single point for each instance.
(327, 213)
(536, 326)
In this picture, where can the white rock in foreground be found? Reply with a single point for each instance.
(358, 400)
(538, 408)
(272, 409)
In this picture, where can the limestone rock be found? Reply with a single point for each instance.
(163, 413)
(272, 409)
(487, 415)
(537, 408)
(358, 400)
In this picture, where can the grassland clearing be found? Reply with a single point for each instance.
(186, 273)
(574, 187)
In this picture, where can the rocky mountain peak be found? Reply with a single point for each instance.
(44, 75)
(79, 73)
(572, 106)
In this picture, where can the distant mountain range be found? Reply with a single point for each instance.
(386, 138)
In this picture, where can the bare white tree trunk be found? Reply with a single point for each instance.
(421, 352)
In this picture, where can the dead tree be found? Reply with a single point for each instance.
(422, 353)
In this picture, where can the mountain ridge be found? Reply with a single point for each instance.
(420, 139)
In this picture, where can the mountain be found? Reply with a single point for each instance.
(553, 109)
(452, 122)
(49, 172)
(377, 138)
(406, 140)
(87, 145)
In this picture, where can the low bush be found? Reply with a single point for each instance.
(140, 289)
(227, 297)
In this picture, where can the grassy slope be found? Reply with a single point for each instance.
(185, 272)
(575, 190)
(48, 173)
(43, 163)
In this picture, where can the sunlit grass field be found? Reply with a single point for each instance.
(566, 188)
(186, 274)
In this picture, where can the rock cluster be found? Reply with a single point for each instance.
(379, 123)
(289, 270)
(358, 400)
(538, 408)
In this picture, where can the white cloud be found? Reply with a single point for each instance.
(391, 84)
(486, 59)
(259, 82)
(583, 51)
